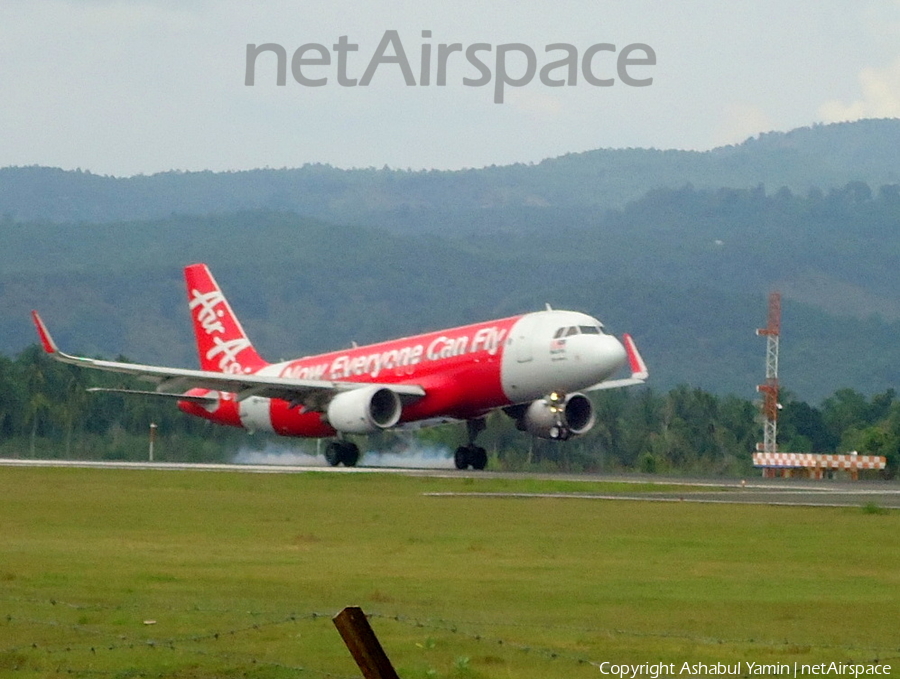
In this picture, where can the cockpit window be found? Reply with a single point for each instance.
(579, 330)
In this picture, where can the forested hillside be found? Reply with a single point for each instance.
(685, 271)
(328, 256)
(823, 156)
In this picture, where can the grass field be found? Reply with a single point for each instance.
(121, 573)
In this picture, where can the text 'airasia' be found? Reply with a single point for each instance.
(537, 367)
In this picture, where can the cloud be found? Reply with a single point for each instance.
(880, 97)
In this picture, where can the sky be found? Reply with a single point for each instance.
(126, 87)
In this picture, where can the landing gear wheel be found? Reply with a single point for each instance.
(470, 455)
(351, 454)
(461, 457)
(333, 453)
(478, 458)
(337, 452)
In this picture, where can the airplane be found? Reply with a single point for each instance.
(536, 367)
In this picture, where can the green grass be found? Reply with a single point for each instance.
(239, 575)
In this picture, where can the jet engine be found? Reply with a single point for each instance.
(556, 417)
(365, 410)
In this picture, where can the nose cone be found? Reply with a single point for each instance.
(598, 356)
(610, 356)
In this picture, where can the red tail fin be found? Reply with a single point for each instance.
(221, 341)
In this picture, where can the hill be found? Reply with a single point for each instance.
(679, 248)
(821, 156)
(686, 271)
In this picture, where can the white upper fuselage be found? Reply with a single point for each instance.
(557, 351)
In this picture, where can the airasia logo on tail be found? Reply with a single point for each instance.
(208, 316)
(209, 309)
(211, 316)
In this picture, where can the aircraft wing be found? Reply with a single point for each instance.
(639, 372)
(314, 394)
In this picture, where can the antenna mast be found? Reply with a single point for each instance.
(769, 390)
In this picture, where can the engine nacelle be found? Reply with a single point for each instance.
(558, 421)
(365, 410)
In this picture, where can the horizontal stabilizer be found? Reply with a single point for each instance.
(202, 400)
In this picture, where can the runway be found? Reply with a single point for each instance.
(877, 495)
(877, 500)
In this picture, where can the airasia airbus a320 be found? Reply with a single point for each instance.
(536, 367)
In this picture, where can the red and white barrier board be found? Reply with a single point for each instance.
(814, 464)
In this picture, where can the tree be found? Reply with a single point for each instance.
(35, 366)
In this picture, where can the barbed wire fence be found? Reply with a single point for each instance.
(72, 648)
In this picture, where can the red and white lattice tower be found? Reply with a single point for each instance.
(769, 390)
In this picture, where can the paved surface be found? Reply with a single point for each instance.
(880, 494)
(878, 500)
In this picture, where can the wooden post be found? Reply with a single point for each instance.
(363, 644)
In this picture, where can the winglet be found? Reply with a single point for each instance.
(46, 340)
(638, 367)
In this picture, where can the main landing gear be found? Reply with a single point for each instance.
(343, 452)
(471, 455)
(346, 452)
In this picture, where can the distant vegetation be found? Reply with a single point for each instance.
(686, 271)
(45, 412)
(822, 156)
